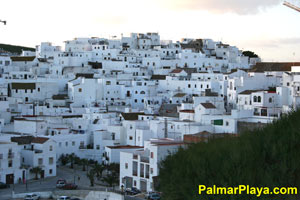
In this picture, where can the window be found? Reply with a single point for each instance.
(50, 160)
(130, 138)
(40, 161)
(270, 100)
(73, 143)
(259, 99)
(151, 170)
(255, 99)
(79, 89)
(287, 84)
(227, 123)
(189, 85)
(126, 165)
(59, 144)
(152, 155)
(10, 163)
(50, 148)
(50, 171)
(67, 144)
(98, 147)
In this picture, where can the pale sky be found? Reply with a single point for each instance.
(263, 26)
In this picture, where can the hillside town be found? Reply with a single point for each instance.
(131, 101)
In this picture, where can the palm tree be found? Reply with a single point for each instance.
(64, 159)
(36, 171)
(111, 179)
(99, 168)
(77, 160)
(91, 176)
(71, 158)
(84, 162)
(113, 167)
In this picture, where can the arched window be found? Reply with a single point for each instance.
(142, 92)
(255, 99)
(259, 99)
(270, 100)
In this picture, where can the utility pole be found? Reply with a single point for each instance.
(292, 6)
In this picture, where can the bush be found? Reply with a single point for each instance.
(262, 158)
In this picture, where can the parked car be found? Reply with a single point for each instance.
(61, 183)
(64, 198)
(132, 191)
(69, 186)
(32, 197)
(154, 196)
(4, 185)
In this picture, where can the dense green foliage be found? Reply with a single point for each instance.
(268, 157)
(14, 49)
(250, 54)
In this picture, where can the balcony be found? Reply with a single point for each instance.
(10, 155)
(145, 159)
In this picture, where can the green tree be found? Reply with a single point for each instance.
(85, 163)
(36, 171)
(91, 175)
(99, 168)
(113, 167)
(111, 179)
(265, 157)
(64, 159)
(71, 159)
(250, 54)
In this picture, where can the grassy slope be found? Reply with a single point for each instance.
(15, 49)
(267, 157)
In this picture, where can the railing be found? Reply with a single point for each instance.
(145, 159)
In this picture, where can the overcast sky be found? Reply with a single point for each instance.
(264, 26)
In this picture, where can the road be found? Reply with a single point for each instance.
(49, 184)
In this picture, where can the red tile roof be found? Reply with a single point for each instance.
(187, 111)
(175, 71)
(125, 147)
(40, 140)
(208, 105)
